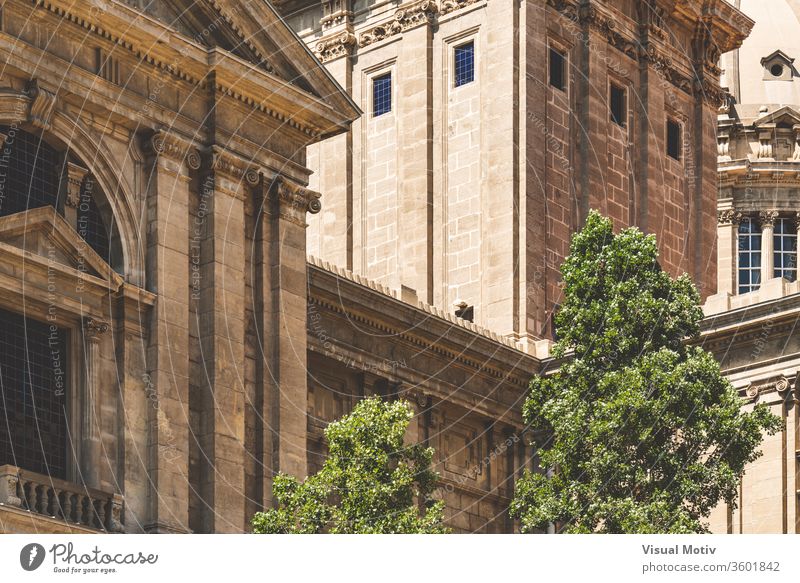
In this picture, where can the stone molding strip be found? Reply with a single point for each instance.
(427, 308)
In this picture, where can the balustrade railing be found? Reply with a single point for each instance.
(67, 501)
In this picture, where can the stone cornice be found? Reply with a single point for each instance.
(182, 58)
(443, 333)
(596, 17)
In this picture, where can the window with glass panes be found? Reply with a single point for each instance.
(464, 57)
(382, 94)
(749, 255)
(785, 241)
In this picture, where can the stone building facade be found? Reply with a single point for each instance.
(201, 349)
(467, 187)
(153, 273)
(457, 190)
(751, 322)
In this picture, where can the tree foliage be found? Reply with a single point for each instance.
(371, 482)
(641, 430)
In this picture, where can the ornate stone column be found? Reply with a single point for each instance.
(727, 237)
(767, 219)
(93, 329)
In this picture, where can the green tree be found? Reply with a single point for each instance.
(641, 431)
(371, 482)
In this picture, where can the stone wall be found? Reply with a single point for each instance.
(471, 193)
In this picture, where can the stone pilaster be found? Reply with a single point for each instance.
(137, 395)
(727, 238)
(282, 267)
(767, 219)
(415, 161)
(220, 310)
(167, 275)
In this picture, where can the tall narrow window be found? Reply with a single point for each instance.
(33, 369)
(558, 73)
(673, 139)
(785, 241)
(618, 105)
(381, 94)
(749, 256)
(465, 63)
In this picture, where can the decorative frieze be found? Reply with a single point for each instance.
(405, 17)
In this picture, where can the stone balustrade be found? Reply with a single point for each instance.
(67, 501)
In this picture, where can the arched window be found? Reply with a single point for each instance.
(32, 175)
(749, 255)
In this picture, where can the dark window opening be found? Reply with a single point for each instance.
(673, 139)
(465, 63)
(382, 94)
(90, 222)
(617, 105)
(776, 70)
(558, 65)
(33, 379)
(31, 169)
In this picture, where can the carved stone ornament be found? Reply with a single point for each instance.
(74, 178)
(294, 201)
(43, 102)
(336, 46)
(405, 17)
(164, 143)
(94, 328)
(779, 384)
(223, 162)
(729, 217)
(767, 218)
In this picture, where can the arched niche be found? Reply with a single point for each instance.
(24, 111)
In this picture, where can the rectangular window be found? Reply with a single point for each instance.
(558, 73)
(382, 94)
(33, 369)
(673, 139)
(749, 256)
(785, 241)
(465, 63)
(618, 105)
